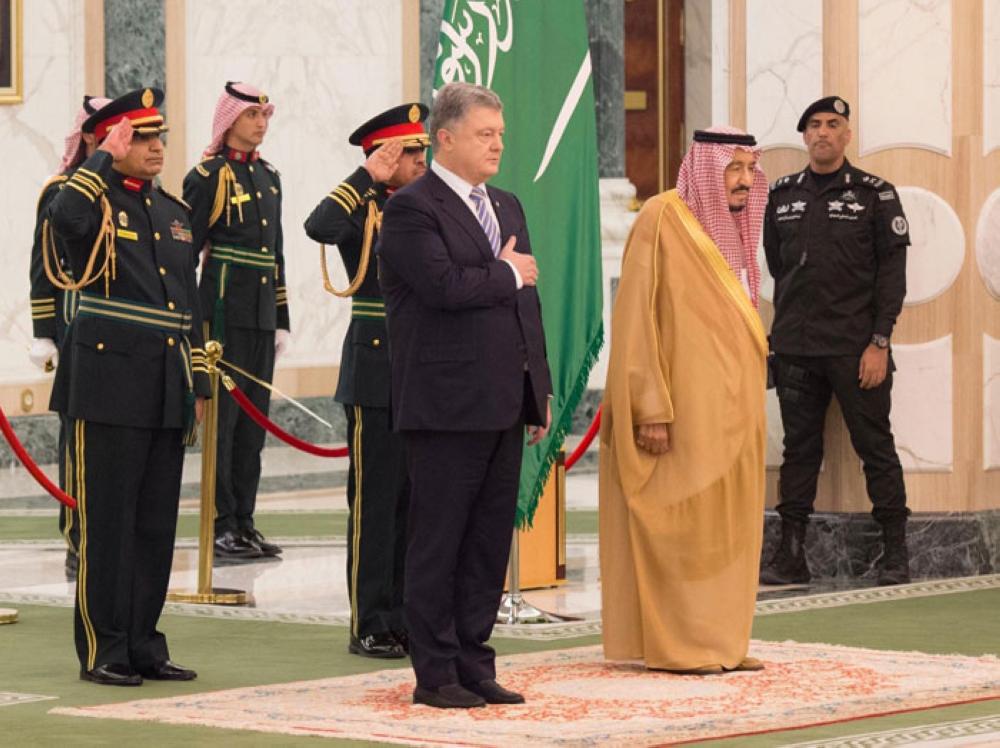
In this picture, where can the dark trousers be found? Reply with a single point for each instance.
(462, 502)
(128, 483)
(240, 439)
(69, 525)
(805, 385)
(378, 496)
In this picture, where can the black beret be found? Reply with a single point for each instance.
(832, 104)
(404, 121)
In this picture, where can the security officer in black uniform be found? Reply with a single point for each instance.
(52, 309)
(835, 239)
(395, 143)
(235, 198)
(131, 377)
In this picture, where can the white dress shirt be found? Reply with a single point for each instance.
(464, 190)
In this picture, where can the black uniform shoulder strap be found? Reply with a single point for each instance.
(210, 165)
(163, 191)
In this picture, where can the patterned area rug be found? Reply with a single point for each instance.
(575, 698)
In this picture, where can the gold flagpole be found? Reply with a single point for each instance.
(206, 593)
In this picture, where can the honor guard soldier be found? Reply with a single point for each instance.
(395, 143)
(235, 199)
(52, 309)
(835, 239)
(131, 378)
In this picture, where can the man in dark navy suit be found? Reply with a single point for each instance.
(469, 371)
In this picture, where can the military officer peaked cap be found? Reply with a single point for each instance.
(405, 121)
(832, 104)
(140, 106)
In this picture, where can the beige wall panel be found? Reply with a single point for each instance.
(965, 310)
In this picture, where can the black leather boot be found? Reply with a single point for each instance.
(894, 566)
(788, 564)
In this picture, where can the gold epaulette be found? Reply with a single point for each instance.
(57, 179)
(200, 168)
(166, 193)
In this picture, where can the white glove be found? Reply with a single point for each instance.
(282, 341)
(44, 353)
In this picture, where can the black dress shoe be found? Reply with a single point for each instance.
(231, 544)
(404, 640)
(168, 670)
(382, 645)
(254, 538)
(493, 692)
(452, 696)
(112, 675)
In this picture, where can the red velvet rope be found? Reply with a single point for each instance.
(268, 425)
(592, 430)
(43, 480)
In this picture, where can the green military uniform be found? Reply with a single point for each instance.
(236, 208)
(377, 485)
(130, 369)
(52, 309)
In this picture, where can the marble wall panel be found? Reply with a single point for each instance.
(905, 74)
(697, 67)
(988, 243)
(327, 67)
(937, 252)
(922, 405)
(720, 62)
(991, 75)
(775, 430)
(784, 67)
(131, 25)
(991, 403)
(32, 135)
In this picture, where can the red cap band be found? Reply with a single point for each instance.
(139, 118)
(394, 131)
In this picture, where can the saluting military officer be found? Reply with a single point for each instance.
(835, 238)
(52, 309)
(132, 378)
(235, 198)
(395, 143)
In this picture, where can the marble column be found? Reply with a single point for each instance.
(430, 26)
(606, 28)
(134, 45)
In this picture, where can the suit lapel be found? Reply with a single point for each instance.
(455, 207)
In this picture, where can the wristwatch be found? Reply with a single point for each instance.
(880, 341)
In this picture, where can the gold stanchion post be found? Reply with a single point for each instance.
(206, 593)
(8, 615)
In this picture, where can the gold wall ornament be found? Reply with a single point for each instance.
(11, 52)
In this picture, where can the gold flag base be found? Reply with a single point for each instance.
(8, 615)
(218, 596)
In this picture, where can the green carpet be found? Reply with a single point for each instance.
(272, 524)
(37, 657)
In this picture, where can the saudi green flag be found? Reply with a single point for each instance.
(535, 56)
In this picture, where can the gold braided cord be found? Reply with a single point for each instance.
(373, 223)
(105, 239)
(223, 193)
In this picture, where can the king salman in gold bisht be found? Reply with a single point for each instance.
(681, 531)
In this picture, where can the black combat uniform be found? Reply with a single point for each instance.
(235, 200)
(130, 369)
(838, 256)
(377, 485)
(52, 309)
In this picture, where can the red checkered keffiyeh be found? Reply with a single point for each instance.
(73, 150)
(227, 110)
(701, 184)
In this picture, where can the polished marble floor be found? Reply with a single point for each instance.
(309, 581)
